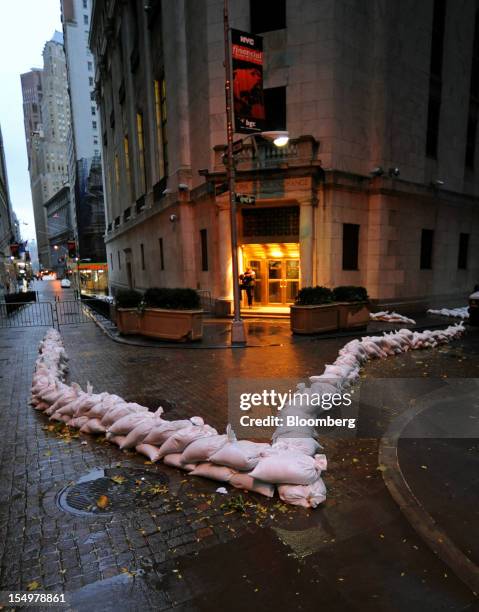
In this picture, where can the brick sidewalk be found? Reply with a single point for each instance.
(186, 546)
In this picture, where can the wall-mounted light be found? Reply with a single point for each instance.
(378, 171)
(394, 172)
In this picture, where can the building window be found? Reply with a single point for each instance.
(435, 77)
(142, 251)
(277, 221)
(85, 4)
(141, 150)
(111, 261)
(93, 124)
(92, 95)
(267, 15)
(90, 81)
(275, 108)
(162, 255)
(204, 249)
(463, 252)
(161, 136)
(473, 114)
(90, 65)
(119, 260)
(350, 246)
(126, 150)
(93, 110)
(427, 241)
(117, 174)
(85, 19)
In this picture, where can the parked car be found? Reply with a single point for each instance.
(65, 283)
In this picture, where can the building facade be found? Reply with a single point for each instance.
(7, 229)
(58, 212)
(89, 205)
(378, 185)
(46, 108)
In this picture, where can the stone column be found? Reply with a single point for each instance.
(306, 230)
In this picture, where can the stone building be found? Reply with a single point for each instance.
(377, 187)
(7, 229)
(46, 109)
(89, 206)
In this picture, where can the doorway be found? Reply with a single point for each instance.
(277, 272)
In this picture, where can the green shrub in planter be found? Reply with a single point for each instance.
(309, 296)
(350, 293)
(172, 299)
(128, 298)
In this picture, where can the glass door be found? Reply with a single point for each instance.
(275, 276)
(283, 280)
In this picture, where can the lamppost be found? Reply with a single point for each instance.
(280, 139)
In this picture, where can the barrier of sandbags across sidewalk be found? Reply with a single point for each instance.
(291, 465)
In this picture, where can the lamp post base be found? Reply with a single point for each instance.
(238, 332)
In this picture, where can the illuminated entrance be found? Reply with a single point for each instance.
(276, 266)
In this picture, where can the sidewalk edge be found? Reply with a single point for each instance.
(421, 521)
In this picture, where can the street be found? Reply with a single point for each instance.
(187, 547)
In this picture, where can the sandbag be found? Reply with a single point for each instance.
(287, 467)
(127, 423)
(307, 446)
(150, 451)
(139, 433)
(161, 432)
(307, 496)
(93, 426)
(240, 480)
(174, 460)
(201, 450)
(212, 471)
(184, 436)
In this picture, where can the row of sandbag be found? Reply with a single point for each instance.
(345, 369)
(460, 313)
(391, 317)
(189, 444)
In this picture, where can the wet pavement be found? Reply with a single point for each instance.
(183, 546)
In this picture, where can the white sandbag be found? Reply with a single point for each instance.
(212, 471)
(184, 436)
(175, 460)
(241, 480)
(93, 426)
(116, 439)
(127, 423)
(307, 496)
(240, 455)
(308, 446)
(139, 433)
(287, 467)
(78, 422)
(150, 451)
(161, 432)
(115, 413)
(201, 450)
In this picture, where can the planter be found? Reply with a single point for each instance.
(353, 315)
(314, 319)
(178, 325)
(127, 320)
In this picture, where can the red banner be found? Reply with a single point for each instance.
(248, 102)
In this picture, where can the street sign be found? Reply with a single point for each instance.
(243, 198)
(237, 146)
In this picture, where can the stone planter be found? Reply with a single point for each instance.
(353, 315)
(314, 319)
(178, 325)
(127, 320)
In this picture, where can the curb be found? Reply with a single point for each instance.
(421, 521)
(304, 339)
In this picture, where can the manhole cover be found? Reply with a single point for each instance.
(107, 490)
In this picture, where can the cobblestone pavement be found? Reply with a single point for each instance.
(186, 547)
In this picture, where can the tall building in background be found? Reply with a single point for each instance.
(88, 192)
(47, 120)
(378, 185)
(7, 233)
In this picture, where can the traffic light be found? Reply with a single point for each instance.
(72, 249)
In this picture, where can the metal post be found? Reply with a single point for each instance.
(238, 334)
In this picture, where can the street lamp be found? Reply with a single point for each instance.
(279, 139)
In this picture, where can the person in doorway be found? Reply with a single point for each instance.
(247, 281)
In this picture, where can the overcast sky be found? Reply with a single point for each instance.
(25, 26)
